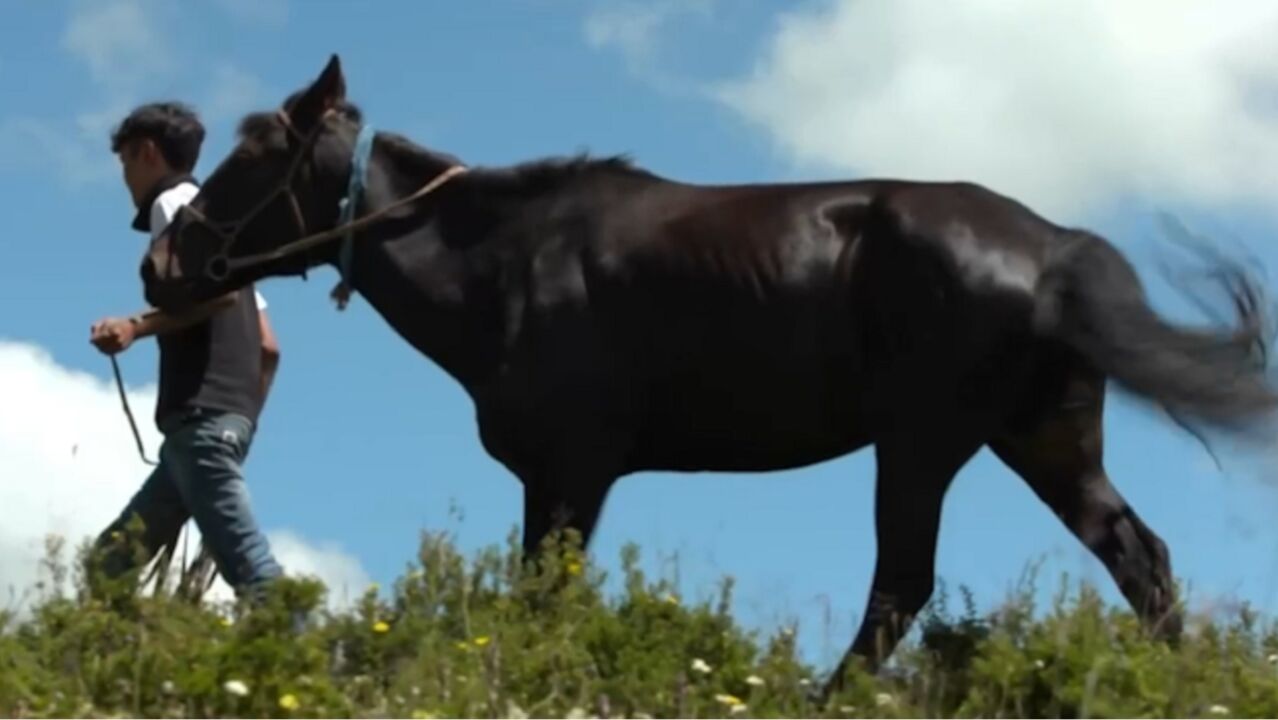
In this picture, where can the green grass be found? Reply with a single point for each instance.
(458, 637)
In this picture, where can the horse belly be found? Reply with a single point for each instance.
(742, 407)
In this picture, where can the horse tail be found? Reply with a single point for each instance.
(1090, 298)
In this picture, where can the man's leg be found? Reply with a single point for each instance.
(209, 453)
(158, 505)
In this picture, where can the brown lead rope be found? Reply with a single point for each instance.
(128, 412)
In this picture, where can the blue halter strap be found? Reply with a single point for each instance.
(346, 211)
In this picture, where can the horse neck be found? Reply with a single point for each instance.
(429, 277)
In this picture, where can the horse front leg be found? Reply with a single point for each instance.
(567, 493)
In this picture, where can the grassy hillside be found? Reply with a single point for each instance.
(479, 638)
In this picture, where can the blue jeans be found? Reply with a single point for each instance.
(199, 476)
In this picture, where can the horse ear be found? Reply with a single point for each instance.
(328, 90)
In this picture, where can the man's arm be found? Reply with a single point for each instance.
(270, 354)
(113, 335)
(157, 322)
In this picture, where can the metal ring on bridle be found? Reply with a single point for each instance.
(218, 268)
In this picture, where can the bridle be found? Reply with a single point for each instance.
(220, 265)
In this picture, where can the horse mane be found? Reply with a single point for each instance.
(530, 177)
(554, 171)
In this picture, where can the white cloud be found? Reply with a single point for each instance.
(126, 46)
(233, 92)
(120, 41)
(31, 143)
(341, 572)
(122, 47)
(68, 465)
(634, 29)
(1065, 105)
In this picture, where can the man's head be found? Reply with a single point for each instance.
(154, 141)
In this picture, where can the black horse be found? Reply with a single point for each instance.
(606, 321)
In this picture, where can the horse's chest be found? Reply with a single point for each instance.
(529, 412)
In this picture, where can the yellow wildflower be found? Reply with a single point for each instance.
(670, 598)
(729, 700)
(481, 641)
(462, 645)
(227, 622)
(288, 701)
(381, 626)
(574, 568)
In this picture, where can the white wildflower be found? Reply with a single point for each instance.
(729, 700)
(167, 687)
(701, 666)
(1273, 658)
(883, 699)
(1218, 710)
(804, 682)
(235, 687)
(739, 709)
(755, 681)
(1040, 664)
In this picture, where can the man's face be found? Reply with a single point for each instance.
(143, 166)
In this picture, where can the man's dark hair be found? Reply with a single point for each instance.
(172, 126)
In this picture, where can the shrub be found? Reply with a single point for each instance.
(494, 637)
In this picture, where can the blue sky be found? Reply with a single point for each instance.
(365, 443)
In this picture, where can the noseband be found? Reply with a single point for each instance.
(221, 265)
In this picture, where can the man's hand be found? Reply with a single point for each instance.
(113, 335)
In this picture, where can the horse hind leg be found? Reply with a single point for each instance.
(1057, 450)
